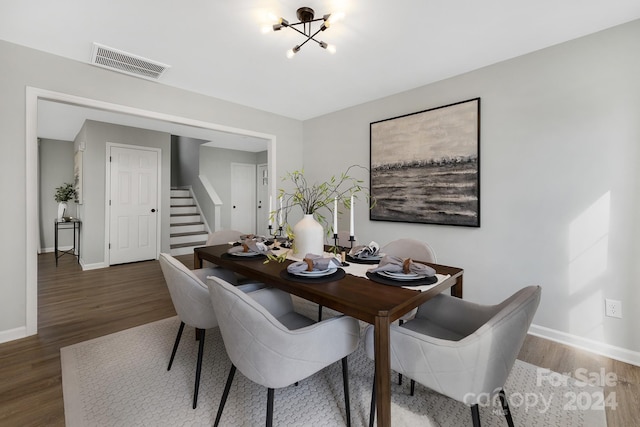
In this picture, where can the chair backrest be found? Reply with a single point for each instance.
(221, 237)
(494, 347)
(263, 348)
(410, 248)
(189, 295)
(256, 342)
(343, 239)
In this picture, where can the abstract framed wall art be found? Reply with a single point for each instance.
(425, 166)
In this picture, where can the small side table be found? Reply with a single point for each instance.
(74, 224)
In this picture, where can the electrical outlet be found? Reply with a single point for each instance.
(613, 308)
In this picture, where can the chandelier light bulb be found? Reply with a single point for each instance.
(331, 48)
(292, 52)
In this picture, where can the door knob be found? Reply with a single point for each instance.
(153, 210)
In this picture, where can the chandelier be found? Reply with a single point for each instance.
(304, 27)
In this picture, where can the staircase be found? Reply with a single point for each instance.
(188, 231)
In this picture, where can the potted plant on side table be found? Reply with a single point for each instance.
(64, 193)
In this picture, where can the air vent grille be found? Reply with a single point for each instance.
(124, 62)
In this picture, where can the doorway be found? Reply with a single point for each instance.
(243, 197)
(262, 185)
(33, 96)
(132, 211)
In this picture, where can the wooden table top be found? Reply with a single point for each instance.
(352, 295)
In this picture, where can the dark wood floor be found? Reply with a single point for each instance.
(75, 306)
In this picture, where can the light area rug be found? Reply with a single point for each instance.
(122, 380)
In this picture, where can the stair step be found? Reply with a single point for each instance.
(179, 219)
(180, 193)
(187, 227)
(184, 210)
(188, 233)
(188, 245)
(182, 201)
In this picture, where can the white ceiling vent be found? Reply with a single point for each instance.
(124, 62)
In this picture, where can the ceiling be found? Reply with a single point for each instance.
(217, 48)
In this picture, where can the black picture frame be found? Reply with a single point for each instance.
(425, 166)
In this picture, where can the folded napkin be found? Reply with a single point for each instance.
(250, 245)
(395, 264)
(365, 251)
(313, 262)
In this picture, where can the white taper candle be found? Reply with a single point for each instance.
(351, 227)
(335, 216)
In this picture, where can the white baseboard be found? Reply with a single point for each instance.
(93, 266)
(603, 349)
(13, 334)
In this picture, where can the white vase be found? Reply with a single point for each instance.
(308, 237)
(62, 207)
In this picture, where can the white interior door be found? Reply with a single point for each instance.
(133, 204)
(243, 197)
(262, 185)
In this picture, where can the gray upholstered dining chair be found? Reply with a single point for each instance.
(221, 237)
(461, 349)
(409, 248)
(192, 303)
(274, 346)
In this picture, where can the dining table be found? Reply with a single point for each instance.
(359, 297)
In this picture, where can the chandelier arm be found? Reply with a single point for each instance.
(304, 42)
(301, 32)
(305, 22)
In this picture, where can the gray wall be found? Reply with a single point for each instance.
(96, 135)
(184, 160)
(28, 67)
(56, 168)
(559, 181)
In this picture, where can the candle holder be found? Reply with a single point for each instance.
(343, 263)
(275, 235)
(352, 239)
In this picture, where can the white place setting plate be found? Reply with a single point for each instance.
(371, 258)
(317, 273)
(247, 254)
(401, 276)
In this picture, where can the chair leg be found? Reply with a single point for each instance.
(198, 368)
(400, 322)
(319, 313)
(175, 345)
(345, 381)
(505, 408)
(413, 387)
(372, 411)
(225, 394)
(475, 415)
(269, 407)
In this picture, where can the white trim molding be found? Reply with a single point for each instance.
(592, 346)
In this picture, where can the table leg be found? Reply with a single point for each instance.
(197, 261)
(383, 371)
(79, 225)
(456, 290)
(55, 250)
